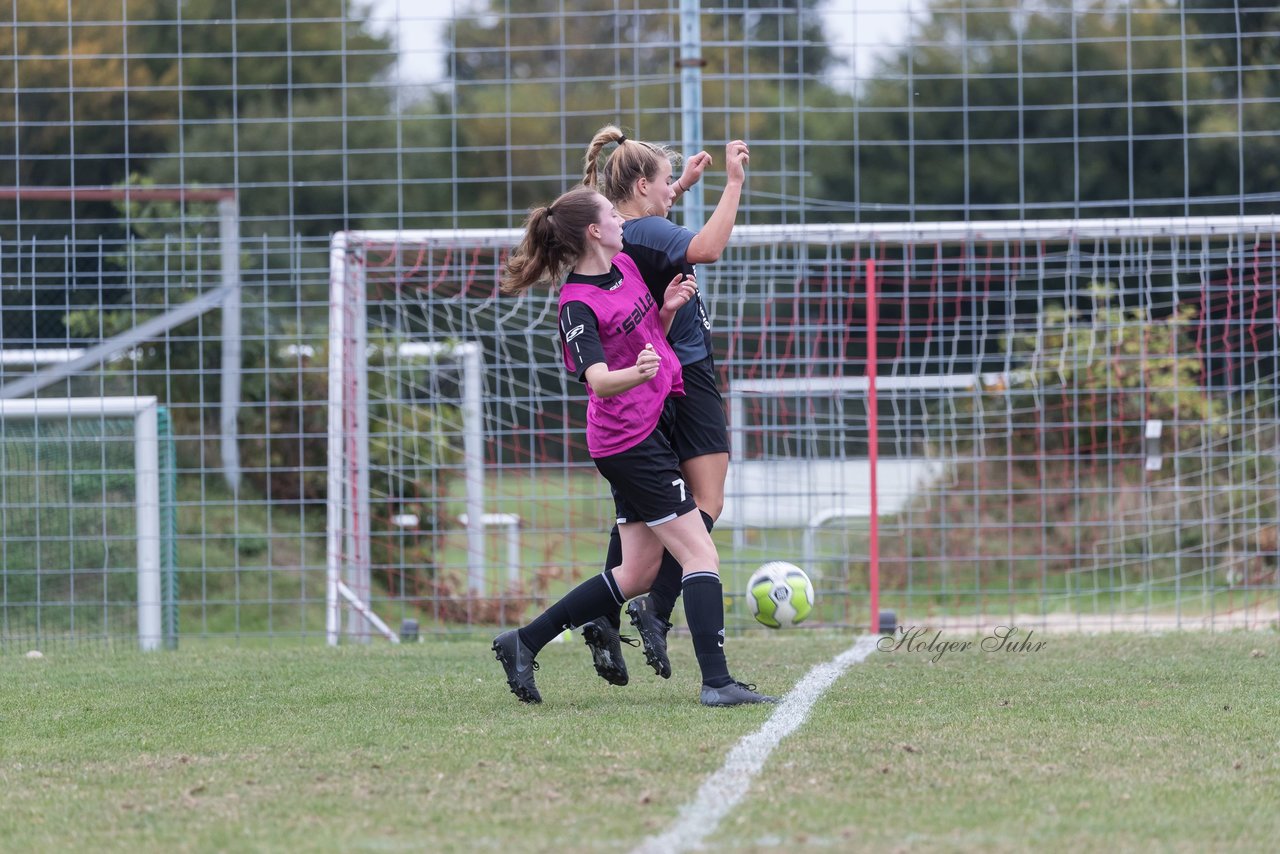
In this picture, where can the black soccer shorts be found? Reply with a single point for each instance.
(645, 479)
(699, 427)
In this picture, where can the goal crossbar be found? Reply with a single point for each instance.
(838, 233)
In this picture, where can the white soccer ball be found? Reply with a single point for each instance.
(780, 594)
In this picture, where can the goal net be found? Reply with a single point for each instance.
(1066, 422)
(87, 524)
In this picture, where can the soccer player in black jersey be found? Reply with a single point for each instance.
(613, 333)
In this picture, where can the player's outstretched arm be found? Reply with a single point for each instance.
(712, 238)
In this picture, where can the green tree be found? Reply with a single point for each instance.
(530, 89)
(259, 95)
(1106, 373)
(1063, 109)
(289, 101)
(286, 100)
(79, 98)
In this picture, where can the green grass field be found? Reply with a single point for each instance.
(1122, 742)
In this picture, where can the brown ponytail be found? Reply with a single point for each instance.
(615, 174)
(555, 237)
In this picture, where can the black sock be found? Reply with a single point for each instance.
(704, 611)
(595, 597)
(613, 560)
(666, 587)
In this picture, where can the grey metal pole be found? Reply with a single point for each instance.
(691, 63)
(229, 228)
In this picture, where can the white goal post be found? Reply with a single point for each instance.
(347, 559)
(144, 413)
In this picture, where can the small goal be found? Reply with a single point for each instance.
(87, 521)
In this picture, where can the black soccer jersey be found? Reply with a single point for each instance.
(658, 247)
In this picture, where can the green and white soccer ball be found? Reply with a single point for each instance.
(780, 594)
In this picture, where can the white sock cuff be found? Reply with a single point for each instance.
(705, 575)
(614, 590)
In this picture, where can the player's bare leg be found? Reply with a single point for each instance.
(705, 476)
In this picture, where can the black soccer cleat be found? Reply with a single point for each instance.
(653, 633)
(518, 662)
(606, 650)
(734, 694)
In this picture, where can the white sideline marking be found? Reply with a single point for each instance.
(721, 791)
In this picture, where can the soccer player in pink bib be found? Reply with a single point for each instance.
(637, 177)
(614, 338)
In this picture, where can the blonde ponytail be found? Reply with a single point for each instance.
(615, 174)
(591, 162)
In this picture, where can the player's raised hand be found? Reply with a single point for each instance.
(680, 290)
(648, 361)
(693, 169)
(736, 157)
